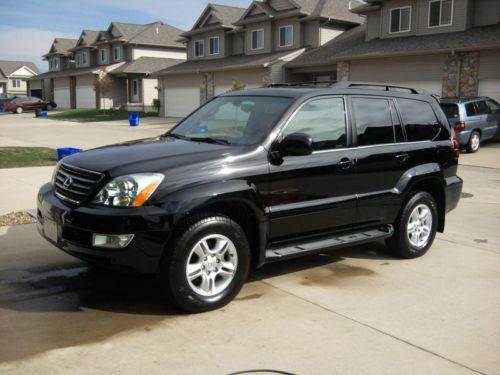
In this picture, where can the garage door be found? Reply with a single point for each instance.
(85, 97)
(61, 97)
(491, 88)
(181, 101)
(1, 89)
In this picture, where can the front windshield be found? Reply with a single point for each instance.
(235, 120)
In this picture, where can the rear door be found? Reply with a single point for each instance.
(314, 194)
(382, 157)
(488, 121)
(495, 113)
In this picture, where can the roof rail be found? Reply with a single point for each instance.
(384, 86)
(303, 84)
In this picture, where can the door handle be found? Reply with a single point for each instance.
(346, 163)
(402, 157)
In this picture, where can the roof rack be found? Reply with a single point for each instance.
(349, 84)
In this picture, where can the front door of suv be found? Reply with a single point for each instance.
(313, 194)
(382, 157)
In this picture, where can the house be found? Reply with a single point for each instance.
(13, 76)
(126, 54)
(448, 47)
(231, 46)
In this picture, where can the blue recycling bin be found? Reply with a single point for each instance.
(1, 108)
(134, 119)
(42, 114)
(62, 152)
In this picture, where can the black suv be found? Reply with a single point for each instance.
(259, 176)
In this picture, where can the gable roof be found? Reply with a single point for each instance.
(7, 67)
(87, 39)
(337, 10)
(224, 14)
(351, 45)
(158, 34)
(61, 46)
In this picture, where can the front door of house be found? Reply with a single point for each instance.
(134, 92)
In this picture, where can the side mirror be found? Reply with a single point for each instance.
(296, 144)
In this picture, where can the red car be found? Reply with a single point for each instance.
(26, 103)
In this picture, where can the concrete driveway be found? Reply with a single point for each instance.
(351, 311)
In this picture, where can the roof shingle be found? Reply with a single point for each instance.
(7, 67)
(146, 65)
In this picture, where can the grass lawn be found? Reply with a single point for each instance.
(14, 157)
(88, 115)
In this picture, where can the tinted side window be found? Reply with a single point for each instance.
(494, 106)
(324, 120)
(373, 121)
(471, 109)
(482, 108)
(420, 121)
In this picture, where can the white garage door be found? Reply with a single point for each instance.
(222, 89)
(491, 88)
(85, 97)
(181, 101)
(432, 87)
(1, 89)
(61, 97)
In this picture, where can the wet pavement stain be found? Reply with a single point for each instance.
(332, 274)
(466, 195)
(480, 240)
(249, 297)
(44, 309)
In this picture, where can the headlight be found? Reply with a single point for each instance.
(54, 174)
(130, 190)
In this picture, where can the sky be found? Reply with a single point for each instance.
(28, 27)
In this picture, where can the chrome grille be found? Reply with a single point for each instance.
(75, 184)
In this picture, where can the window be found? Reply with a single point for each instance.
(199, 48)
(56, 62)
(117, 53)
(77, 59)
(214, 45)
(286, 36)
(258, 39)
(373, 121)
(16, 83)
(471, 109)
(450, 110)
(420, 121)
(440, 13)
(483, 108)
(102, 55)
(84, 58)
(324, 120)
(400, 20)
(494, 106)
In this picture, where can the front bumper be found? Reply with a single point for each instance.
(76, 226)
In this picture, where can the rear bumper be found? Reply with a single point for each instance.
(76, 226)
(453, 190)
(463, 137)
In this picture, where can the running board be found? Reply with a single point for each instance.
(305, 248)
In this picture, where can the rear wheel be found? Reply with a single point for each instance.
(474, 142)
(19, 110)
(415, 230)
(49, 107)
(207, 264)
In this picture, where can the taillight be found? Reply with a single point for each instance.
(455, 144)
(459, 126)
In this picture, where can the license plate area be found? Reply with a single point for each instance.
(51, 230)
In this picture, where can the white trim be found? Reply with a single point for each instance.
(390, 20)
(279, 36)
(210, 45)
(440, 13)
(203, 49)
(263, 39)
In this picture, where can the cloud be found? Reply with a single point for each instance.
(27, 44)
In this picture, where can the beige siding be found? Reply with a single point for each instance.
(311, 34)
(281, 4)
(267, 38)
(486, 12)
(138, 52)
(327, 33)
(17, 90)
(459, 20)
(297, 33)
(398, 69)
(117, 95)
(149, 90)
(489, 64)
(238, 44)
(206, 39)
(373, 25)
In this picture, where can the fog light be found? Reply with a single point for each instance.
(112, 241)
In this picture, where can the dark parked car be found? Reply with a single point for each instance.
(473, 119)
(259, 176)
(5, 98)
(27, 103)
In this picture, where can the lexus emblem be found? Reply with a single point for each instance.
(67, 182)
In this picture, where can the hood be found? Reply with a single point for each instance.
(148, 155)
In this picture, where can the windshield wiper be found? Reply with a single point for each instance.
(177, 136)
(211, 140)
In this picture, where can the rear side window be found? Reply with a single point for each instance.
(450, 110)
(482, 108)
(420, 121)
(471, 109)
(494, 106)
(324, 120)
(373, 121)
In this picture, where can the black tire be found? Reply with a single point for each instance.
(49, 107)
(172, 270)
(472, 145)
(399, 244)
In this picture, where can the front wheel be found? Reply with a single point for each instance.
(19, 110)
(415, 230)
(207, 264)
(474, 142)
